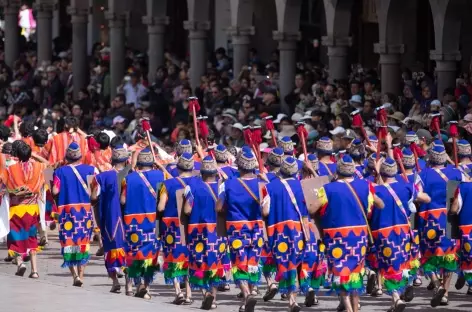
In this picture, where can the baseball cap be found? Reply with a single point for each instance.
(238, 126)
(355, 99)
(117, 120)
(337, 130)
(279, 118)
(296, 117)
(349, 134)
(435, 103)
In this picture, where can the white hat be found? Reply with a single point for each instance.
(337, 130)
(63, 54)
(110, 133)
(296, 117)
(238, 126)
(258, 122)
(105, 50)
(279, 118)
(229, 111)
(263, 146)
(435, 103)
(117, 120)
(268, 135)
(355, 99)
(308, 113)
(306, 117)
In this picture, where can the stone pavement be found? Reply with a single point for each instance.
(54, 292)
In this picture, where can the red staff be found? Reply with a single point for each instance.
(257, 139)
(270, 126)
(194, 108)
(382, 127)
(454, 133)
(303, 135)
(248, 139)
(357, 122)
(202, 129)
(435, 124)
(414, 149)
(398, 155)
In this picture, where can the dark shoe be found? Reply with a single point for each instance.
(179, 299)
(295, 308)
(469, 291)
(116, 289)
(377, 292)
(431, 286)
(207, 302)
(271, 292)
(77, 282)
(8, 259)
(100, 252)
(283, 297)
(371, 283)
(438, 294)
(341, 307)
(34, 275)
(409, 293)
(399, 306)
(250, 304)
(417, 282)
(310, 298)
(460, 283)
(21, 270)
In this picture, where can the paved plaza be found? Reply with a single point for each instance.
(54, 292)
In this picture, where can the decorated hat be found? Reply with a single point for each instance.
(371, 161)
(411, 137)
(463, 148)
(315, 163)
(287, 145)
(185, 162)
(246, 161)
(246, 149)
(119, 154)
(221, 153)
(145, 158)
(73, 152)
(438, 143)
(208, 166)
(324, 146)
(437, 155)
(275, 157)
(289, 167)
(184, 146)
(233, 150)
(345, 166)
(389, 168)
(357, 149)
(408, 158)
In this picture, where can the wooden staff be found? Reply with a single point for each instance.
(454, 134)
(147, 128)
(397, 154)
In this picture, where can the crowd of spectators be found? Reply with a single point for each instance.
(43, 93)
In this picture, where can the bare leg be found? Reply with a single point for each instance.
(447, 282)
(81, 271)
(177, 287)
(292, 299)
(346, 301)
(355, 303)
(188, 289)
(73, 271)
(34, 263)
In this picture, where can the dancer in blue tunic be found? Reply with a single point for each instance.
(139, 197)
(392, 232)
(184, 146)
(438, 252)
(464, 153)
(175, 253)
(206, 248)
(274, 161)
(75, 212)
(239, 199)
(357, 152)
(222, 157)
(106, 189)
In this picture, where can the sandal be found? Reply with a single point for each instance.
(77, 282)
(43, 241)
(116, 289)
(179, 299)
(142, 292)
(129, 293)
(207, 301)
(469, 291)
(8, 259)
(100, 252)
(438, 294)
(284, 297)
(250, 303)
(21, 270)
(294, 308)
(188, 301)
(417, 282)
(444, 301)
(34, 275)
(240, 295)
(224, 287)
(377, 292)
(310, 298)
(400, 305)
(271, 292)
(341, 307)
(214, 306)
(52, 226)
(431, 286)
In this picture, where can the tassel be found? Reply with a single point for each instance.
(269, 124)
(454, 133)
(435, 124)
(203, 127)
(146, 125)
(257, 135)
(247, 133)
(193, 105)
(357, 121)
(93, 145)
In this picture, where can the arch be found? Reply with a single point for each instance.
(198, 10)
(447, 17)
(288, 15)
(338, 17)
(390, 18)
(242, 12)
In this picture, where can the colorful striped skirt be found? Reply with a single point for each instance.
(23, 228)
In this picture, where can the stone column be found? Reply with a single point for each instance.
(338, 49)
(12, 31)
(241, 40)
(56, 21)
(156, 33)
(446, 69)
(390, 59)
(44, 30)
(116, 23)
(288, 61)
(79, 18)
(198, 49)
